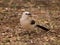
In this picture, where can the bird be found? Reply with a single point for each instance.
(28, 23)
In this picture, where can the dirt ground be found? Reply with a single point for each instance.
(48, 15)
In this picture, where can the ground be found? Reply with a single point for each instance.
(47, 14)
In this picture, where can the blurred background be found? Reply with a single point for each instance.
(48, 15)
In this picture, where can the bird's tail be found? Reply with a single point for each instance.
(42, 27)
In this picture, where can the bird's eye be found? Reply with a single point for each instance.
(28, 14)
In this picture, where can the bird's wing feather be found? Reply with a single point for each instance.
(44, 28)
(32, 22)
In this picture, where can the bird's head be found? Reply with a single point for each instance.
(27, 13)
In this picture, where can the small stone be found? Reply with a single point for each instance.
(46, 38)
(3, 33)
(31, 41)
(46, 22)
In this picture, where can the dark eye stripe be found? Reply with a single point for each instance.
(28, 14)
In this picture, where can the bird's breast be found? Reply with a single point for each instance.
(26, 24)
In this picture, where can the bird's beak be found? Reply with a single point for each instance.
(30, 15)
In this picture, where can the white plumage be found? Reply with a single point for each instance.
(25, 21)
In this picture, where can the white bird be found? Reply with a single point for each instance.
(28, 23)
